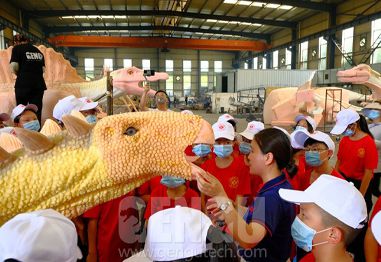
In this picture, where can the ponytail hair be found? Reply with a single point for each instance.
(363, 125)
(291, 169)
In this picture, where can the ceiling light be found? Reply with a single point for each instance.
(286, 7)
(230, 1)
(245, 2)
(67, 17)
(272, 5)
(259, 4)
(211, 20)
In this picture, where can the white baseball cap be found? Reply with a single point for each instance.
(376, 227)
(294, 143)
(301, 137)
(176, 233)
(344, 118)
(252, 128)
(223, 130)
(349, 206)
(65, 106)
(87, 104)
(225, 118)
(309, 119)
(43, 235)
(18, 110)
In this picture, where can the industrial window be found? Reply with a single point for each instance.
(127, 63)
(322, 53)
(204, 73)
(217, 66)
(347, 46)
(146, 64)
(275, 59)
(264, 63)
(89, 68)
(187, 66)
(169, 65)
(303, 55)
(376, 41)
(108, 64)
(204, 66)
(169, 85)
(288, 58)
(255, 63)
(187, 84)
(246, 65)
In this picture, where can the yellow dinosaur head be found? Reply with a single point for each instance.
(85, 166)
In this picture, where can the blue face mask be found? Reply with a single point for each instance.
(300, 128)
(245, 148)
(313, 158)
(348, 132)
(32, 125)
(91, 119)
(303, 235)
(172, 182)
(223, 150)
(201, 150)
(372, 114)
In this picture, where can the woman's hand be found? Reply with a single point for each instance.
(209, 185)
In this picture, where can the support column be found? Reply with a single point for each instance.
(294, 49)
(330, 44)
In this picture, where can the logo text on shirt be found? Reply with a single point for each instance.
(33, 56)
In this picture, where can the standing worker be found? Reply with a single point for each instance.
(28, 63)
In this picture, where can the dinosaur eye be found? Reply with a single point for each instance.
(130, 131)
(130, 72)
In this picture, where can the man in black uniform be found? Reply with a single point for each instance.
(28, 63)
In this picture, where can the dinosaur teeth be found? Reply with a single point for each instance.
(34, 142)
(75, 126)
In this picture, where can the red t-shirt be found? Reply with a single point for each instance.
(302, 169)
(159, 200)
(356, 156)
(149, 186)
(235, 178)
(304, 181)
(117, 224)
(376, 209)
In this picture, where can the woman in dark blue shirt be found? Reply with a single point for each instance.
(263, 231)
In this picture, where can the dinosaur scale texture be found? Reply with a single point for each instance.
(85, 165)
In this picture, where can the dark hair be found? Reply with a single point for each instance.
(363, 125)
(291, 168)
(233, 123)
(311, 141)
(278, 143)
(17, 39)
(17, 118)
(309, 126)
(165, 93)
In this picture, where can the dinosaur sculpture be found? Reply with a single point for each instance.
(365, 75)
(283, 104)
(88, 165)
(62, 80)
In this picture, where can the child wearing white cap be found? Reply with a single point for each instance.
(230, 171)
(39, 236)
(357, 156)
(89, 110)
(373, 112)
(305, 122)
(65, 106)
(26, 117)
(266, 223)
(372, 244)
(328, 221)
(319, 148)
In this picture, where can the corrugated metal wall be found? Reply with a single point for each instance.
(251, 79)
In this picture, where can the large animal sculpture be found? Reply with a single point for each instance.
(284, 104)
(88, 165)
(364, 75)
(63, 80)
